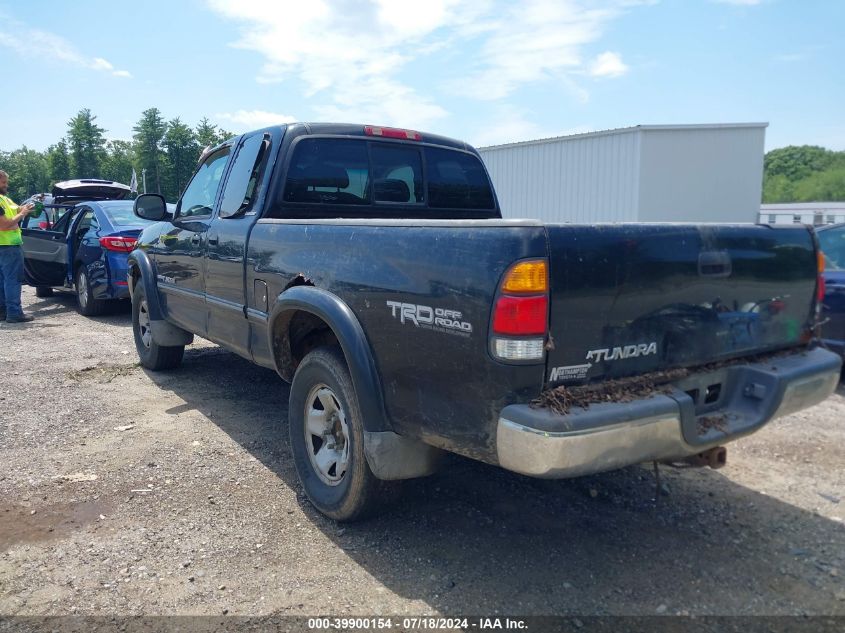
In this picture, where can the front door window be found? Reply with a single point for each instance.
(201, 192)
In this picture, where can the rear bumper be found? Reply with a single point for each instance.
(540, 443)
(835, 345)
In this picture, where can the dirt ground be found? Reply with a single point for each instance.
(126, 492)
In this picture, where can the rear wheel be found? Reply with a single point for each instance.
(86, 304)
(327, 439)
(151, 354)
(43, 292)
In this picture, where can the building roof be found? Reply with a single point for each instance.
(628, 130)
(804, 206)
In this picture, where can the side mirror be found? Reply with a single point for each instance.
(150, 206)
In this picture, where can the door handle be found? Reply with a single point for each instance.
(213, 241)
(195, 240)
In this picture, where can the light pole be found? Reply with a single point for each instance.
(144, 178)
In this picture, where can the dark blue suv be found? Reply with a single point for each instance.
(832, 242)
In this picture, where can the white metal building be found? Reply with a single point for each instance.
(647, 173)
(803, 213)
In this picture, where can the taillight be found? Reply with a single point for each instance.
(118, 243)
(520, 315)
(392, 132)
(820, 287)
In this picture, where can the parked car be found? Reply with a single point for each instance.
(832, 243)
(85, 251)
(370, 266)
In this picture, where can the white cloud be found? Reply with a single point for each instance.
(29, 42)
(352, 58)
(347, 57)
(539, 40)
(511, 125)
(245, 120)
(608, 64)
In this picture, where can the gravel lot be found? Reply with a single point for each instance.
(196, 509)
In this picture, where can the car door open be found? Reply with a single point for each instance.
(46, 253)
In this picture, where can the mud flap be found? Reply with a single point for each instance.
(168, 335)
(392, 456)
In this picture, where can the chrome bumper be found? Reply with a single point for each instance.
(607, 436)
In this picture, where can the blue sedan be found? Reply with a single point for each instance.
(832, 242)
(84, 251)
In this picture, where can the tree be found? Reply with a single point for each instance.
(87, 143)
(823, 186)
(28, 173)
(58, 162)
(206, 133)
(209, 135)
(803, 173)
(149, 134)
(182, 153)
(119, 161)
(797, 161)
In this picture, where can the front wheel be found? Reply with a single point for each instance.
(151, 354)
(327, 439)
(86, 304)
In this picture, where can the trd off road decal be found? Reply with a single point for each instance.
(579, 372)
(428, 318)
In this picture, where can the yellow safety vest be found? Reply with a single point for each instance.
(10, 237)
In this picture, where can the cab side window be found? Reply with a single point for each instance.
(201, 192)
(242, 184)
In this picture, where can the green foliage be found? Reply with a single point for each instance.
(183, 150)
(805, 173)
(28, 172)
(58, 162)
(206, 134)
(87, 144)
(119, 161)
(149, 134)
(168, 150)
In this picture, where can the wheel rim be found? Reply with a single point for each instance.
(144, 324)
(326, 435)
(82, 289)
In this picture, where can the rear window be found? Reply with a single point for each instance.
(456, 181)
(123, 216)
(397, 174)
(328, 171)
(366, 176)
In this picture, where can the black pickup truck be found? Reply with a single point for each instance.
(371, 268)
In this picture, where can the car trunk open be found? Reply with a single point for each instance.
(88, 189)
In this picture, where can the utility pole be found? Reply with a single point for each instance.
(144, 178)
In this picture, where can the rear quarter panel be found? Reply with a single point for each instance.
(439, 385)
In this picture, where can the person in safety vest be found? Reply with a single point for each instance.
(11, 255)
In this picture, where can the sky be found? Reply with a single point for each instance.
(485, 71)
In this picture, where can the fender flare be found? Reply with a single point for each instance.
(147, 276)
(353, 342)
(164, 333)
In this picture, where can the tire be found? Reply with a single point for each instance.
(42, 292)
(86, 304)
(152, 355)
(322, 383)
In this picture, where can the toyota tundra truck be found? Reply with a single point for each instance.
(371, 268)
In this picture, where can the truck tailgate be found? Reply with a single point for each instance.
(629, 299)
